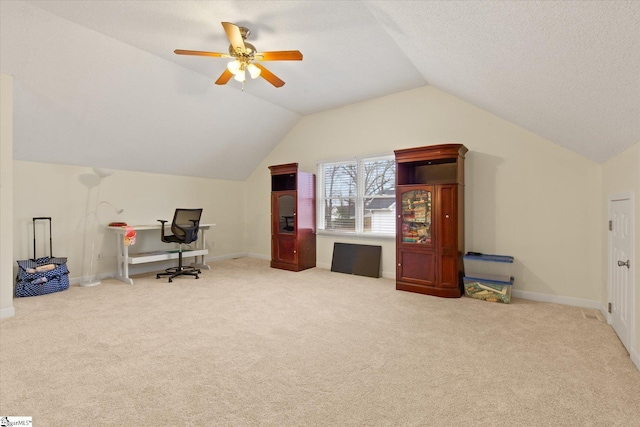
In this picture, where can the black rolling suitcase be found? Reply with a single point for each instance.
(39, 276)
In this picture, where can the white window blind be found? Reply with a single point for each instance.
(357, 196)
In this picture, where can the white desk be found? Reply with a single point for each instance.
(124, 258)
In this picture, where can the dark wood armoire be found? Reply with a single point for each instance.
(293, 218)
(430, 219)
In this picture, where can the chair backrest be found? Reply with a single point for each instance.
(185, 224)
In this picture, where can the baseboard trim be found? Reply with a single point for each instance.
(7, 312)
(78, 280)
(557, 299)
(324, 265)
(635, 358)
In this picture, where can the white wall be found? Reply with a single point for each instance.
(621, 174)
(6, 196)
(59, 191)
(525, 196)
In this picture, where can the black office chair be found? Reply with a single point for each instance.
(185, 225)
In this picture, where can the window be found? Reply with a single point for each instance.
(357, 196)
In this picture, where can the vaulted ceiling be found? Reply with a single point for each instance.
(97, 83)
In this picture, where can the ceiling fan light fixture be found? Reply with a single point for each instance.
(234, 66)
(240, 76)
(254, 71)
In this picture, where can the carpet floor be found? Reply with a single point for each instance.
(247, 345)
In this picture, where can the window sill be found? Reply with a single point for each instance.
(353, 235)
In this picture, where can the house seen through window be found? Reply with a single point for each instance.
(357, 196)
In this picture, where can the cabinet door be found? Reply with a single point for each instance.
(417, 266)
(447, 226)
(415, 216)
(284, 213)
(283, 226)
(284, 249)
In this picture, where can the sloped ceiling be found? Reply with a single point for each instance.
(96, 82)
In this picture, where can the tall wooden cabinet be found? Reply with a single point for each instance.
(293, 218)
(430, 219)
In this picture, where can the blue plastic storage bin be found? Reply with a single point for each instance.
(492, 267)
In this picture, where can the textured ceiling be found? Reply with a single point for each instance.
(100, 77)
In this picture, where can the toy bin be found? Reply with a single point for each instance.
(483, 265)
(487, 289)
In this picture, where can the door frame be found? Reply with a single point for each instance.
(633, 311)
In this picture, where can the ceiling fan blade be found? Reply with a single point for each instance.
(201, 53)
(281, 55)
(224, 77)
(269, 76)
(234, 35)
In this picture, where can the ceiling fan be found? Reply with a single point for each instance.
(244, 55)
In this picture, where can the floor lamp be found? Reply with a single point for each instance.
(91, 226)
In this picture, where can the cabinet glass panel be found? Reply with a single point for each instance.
(416, 216)
(286, 206)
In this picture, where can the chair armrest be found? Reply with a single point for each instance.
(162, 222)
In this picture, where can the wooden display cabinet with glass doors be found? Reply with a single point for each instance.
(293, 218)
(430, 219)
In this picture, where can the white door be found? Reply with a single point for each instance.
(620, 268)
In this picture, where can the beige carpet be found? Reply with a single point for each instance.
(247, 345)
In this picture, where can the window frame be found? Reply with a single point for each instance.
(360, 198)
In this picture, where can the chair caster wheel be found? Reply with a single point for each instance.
(170, 280)
(197, 277)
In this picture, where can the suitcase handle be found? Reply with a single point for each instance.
(46, 218)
